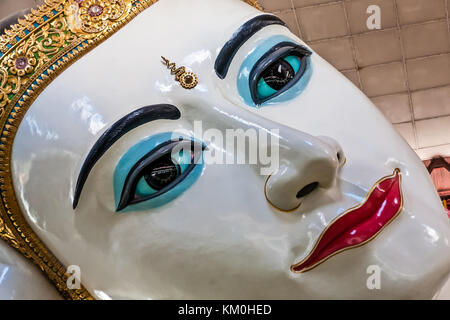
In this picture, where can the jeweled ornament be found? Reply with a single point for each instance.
(95, 10)
(187, 79)
(21, 63)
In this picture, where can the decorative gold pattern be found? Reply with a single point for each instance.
(88, 18)
(187, 79)
(32, 53)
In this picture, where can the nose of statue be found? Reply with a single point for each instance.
(306, 163)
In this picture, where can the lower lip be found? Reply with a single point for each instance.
(357, 225)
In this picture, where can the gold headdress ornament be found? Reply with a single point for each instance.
(187, 79)
(32, 53)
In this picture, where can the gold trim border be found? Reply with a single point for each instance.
(14, 228)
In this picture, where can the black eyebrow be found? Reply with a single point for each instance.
(244, 33)
(116, 131)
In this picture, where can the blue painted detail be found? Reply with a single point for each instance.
(133, 155)
(45, 18)
(26, 31)
(143, 189)
(294, 62)
(264, 90)
(8, 46)
(248, 64)
(18, 39)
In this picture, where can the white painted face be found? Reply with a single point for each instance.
(221, 238)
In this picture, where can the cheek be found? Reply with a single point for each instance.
(43, 188)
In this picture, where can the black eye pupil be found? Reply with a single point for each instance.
(278, 74)
(162, 172)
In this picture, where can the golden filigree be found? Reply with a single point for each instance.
(87, 18)
(32, 53)
(29, 22)
(29, 55)
(22, 61)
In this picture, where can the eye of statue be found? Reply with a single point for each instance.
(158, 176)
(162, 172)
(275, 71)
(277, 76)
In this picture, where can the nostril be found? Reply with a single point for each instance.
(307, 190)
(340, 158)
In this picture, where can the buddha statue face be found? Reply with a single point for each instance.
(129, 169)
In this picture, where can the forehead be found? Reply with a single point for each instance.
(181, 25)
(125, 72)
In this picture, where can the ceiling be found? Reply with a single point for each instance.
(404, 67)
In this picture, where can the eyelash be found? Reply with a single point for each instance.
(139, 178)
(275, 71)
(284, 53)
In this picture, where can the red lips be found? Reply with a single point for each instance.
(359, 224)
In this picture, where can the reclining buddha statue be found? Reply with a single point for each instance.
(198, 149)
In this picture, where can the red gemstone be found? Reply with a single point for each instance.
(21, 63)
(95, 10)
(79, 1)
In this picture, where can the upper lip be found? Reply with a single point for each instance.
(357, 225)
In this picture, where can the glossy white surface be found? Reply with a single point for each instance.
(221, 238)
(20, 279)
(444, 293)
